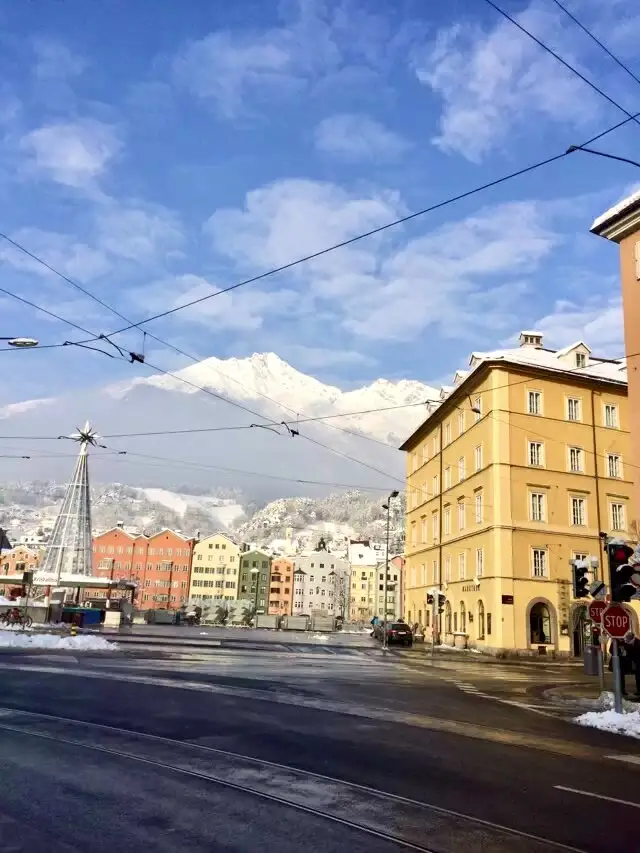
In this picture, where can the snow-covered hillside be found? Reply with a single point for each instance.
(226, 512)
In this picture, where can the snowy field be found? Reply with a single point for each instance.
(17, 639)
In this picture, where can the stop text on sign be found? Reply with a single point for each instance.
(616, 621)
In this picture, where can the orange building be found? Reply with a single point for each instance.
(165, 573)
(16, 561)
(114, 559)
(281, 587)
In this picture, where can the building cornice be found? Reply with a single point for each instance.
(619, 225)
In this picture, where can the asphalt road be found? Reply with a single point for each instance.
(336, 747)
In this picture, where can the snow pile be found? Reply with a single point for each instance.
(609, 721)
(321, 638)
(447, 648)
(80, 643)
(6, 601)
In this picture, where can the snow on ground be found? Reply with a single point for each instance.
(609, 721)
(79, 643)
(225, 512)
(321, 638)
(446, 648)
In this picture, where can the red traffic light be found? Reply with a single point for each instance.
(621, 554)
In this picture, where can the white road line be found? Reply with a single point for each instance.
(630, 759)
(597, 796)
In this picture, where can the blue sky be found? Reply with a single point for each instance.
(156, 151)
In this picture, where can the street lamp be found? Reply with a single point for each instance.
(256, 575)
(387, 506)
(21, 343)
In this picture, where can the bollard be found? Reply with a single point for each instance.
(74, 629)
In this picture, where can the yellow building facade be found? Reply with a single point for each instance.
(215, 569)
(515, 472)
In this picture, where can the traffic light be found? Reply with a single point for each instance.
(430, 598)
(620, 572)
(580, 579)
(442, 599)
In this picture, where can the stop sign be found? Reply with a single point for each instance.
(595, 611)
(616, 621)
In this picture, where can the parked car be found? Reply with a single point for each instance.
(399, 632)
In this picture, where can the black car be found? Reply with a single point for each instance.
(399, 632)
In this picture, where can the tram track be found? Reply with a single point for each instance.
(410, 824)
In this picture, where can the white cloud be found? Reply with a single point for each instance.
(598, 322)
(497, 82)
(241, 311)
(314, 358)
(71, 257)
(72, 153)
(54, 61)
(138, 233)
(318, 44)
(387, 287)
(358, 137)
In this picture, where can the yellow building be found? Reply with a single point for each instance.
(215, 569)
(503, 490)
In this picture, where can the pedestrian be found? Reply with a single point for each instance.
(624, 658)
(634, 658)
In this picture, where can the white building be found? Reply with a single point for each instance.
(395, 588)
(320, 584)
(364, 559)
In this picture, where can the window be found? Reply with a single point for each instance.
(578, 511)
(436, 485)
(617, 516)
(461, 469)
(447, 569)
(537, 506)
(446, 519)
(478, 457)
(478, 507)
(423, 530)
(480, 621)
(435, 531)
(479, 562)
(460, 422)
(477, 405)
(573, 409)
(414, 535)
(447, 434)
(462, 515)
(534, 402)
(447, 477)
(435, 445)
(576, 460)
(434, 567)
(536, 454)
(611, 415)
(462, 565)
(539, 563)
(581, 359)
(614, 465)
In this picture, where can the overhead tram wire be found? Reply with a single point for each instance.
(597, 41)
(563, 62)
(227, 400)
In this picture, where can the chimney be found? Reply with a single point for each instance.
(120, 524)
(531, 339)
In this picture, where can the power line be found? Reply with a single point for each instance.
(562, 61)
(597, 41)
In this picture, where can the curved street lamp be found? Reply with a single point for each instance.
(21, 343)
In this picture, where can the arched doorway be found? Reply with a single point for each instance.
(580, 628)
(463, 618)
(540, 624)
(447, 618)
(480, 624)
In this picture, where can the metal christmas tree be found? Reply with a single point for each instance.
(69, 550)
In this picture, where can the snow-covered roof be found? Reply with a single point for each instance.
(615, 211)
(571, 347)
(608, 370)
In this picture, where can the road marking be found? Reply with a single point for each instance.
(630, 759)
(598, 796)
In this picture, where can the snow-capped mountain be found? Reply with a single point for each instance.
(266, 377)
(212, 442)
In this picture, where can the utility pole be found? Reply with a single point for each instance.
(387, 506)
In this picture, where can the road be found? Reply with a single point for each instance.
(328, 745)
